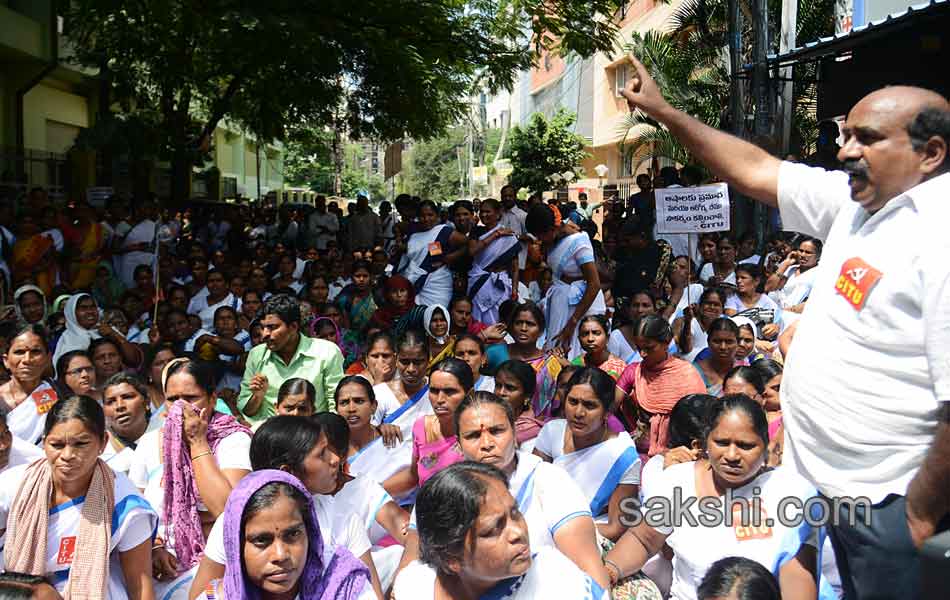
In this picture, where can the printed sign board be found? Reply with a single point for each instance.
(693, 210)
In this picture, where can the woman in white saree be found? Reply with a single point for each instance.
(575, 290)
(473, 543)
(28, 396)
(494, 271)
(428, 253)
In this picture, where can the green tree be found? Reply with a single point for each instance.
(308, 159)
(432, 168)
(381, 69)
(542, 148)
(688, 64)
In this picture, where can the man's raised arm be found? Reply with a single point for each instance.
(742, 165)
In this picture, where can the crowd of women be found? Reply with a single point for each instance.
(496, 415)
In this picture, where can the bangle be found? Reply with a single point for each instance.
(157, 546)
(611, 563)
(194, 458)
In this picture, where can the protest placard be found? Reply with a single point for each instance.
(693, 210)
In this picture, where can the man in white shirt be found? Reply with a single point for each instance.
(137, 246)
(513, 218)
(866, 390)
(322, 224)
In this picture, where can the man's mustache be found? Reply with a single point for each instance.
(855, 168)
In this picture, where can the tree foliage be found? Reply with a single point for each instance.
(308, 162)
(542, 148)
(432, 167)
(380, 69)
(691, 68)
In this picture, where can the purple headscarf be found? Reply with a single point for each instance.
(343, 579)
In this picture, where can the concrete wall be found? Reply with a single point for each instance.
(44, 103)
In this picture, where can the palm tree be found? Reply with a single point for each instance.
(690, 64)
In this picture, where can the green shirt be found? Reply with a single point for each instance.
(318, 361)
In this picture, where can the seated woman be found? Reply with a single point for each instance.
(723, 344)
(156, 357)
(309, 564)
(82, 327)
(230, 343)
(604, 463)
(85, 515)
(460, 311)
(683, 290)
(684, 438)
(514, 383)
(722, 271)
(296, 398)
(436, 321)
(396, 314)
(493, 277)
(106, 358)
(525, 326)
(771, 373)
(749, 302)
(434, 441)
(791, 284)
(471, 349)
(77, 375)
(28, 396)
(553, 507)
(685, 444)
(747, 350)
(653, 386)
(29, 302)
(378, 362)
(691, 330)
(21, 586)
(356, 300)
(474, 543)
(735, 458)
(127, 410)
(346, 339)
(738, 578)
(301, 448)
(384, 521)
(593, 333)
(187, 468)
(402, 400)
(622, 342)
(744, 380)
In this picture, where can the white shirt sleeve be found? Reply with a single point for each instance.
(809, 198)
(936, 315)
(550, 438)
(233, 452)
(214, 547)
(356, 540)
(138, 470)
(649, 475)
(136, 519)
(632, 475)
(561, 499)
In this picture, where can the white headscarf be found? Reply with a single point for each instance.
(75, 337)
(427, 318)
(739, 320)
(29, 288)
